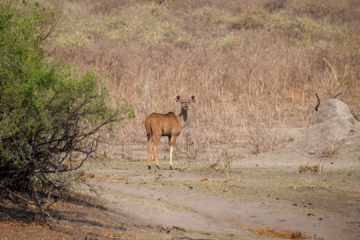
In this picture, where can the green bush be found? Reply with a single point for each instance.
(303, 28)
(49, 119)
(294, 28)
(251, 18)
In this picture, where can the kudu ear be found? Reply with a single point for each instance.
(178, 98)
(193, 98)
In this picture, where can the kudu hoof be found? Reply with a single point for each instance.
(149, 167)
(158, 167)
(171, 168)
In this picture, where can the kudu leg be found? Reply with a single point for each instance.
(171, 162)
(172, 145)
(149, 153)
(154, 147)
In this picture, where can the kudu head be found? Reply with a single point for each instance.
(185, 103)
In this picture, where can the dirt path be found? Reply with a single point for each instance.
(207, 213)
(235, 205)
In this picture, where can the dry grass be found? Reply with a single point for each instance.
(329, 153)
(222, 163)
(285, 234)
(310, 168)
(251, 64)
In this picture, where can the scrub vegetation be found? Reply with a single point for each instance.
(49, 116)
(71, 70)
(253, 65)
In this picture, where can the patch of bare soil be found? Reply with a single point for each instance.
(238, 204)
(78, 217)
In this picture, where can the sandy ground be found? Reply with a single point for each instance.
(256, 193)
(210, 195)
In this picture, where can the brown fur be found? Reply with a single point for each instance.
(170, 125)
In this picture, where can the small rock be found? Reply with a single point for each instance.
(179, 228)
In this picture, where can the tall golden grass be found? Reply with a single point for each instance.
(254, 66)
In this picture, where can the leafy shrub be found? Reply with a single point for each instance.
(230, 40)
(49, 119)
(295, 29)
(252, 18)
(303, 28)
(331, 9)
(207, 15)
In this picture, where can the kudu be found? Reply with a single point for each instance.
(169, 125)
